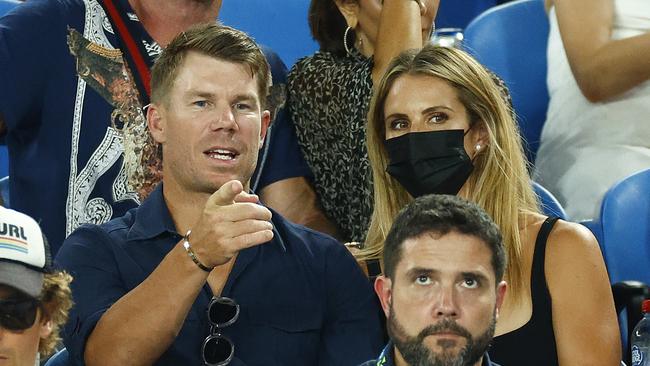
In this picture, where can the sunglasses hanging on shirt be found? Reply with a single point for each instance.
(217, 349)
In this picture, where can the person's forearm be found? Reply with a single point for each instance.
(400, 29)
(615, 68)
(295, 200)
(139, 327)
(602, 67)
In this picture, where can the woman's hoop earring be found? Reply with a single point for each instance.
(345, 41)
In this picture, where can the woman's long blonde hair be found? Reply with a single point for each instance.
(500, 183)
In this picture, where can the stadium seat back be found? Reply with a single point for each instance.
(280, 25)
(510, 40)
(459, 13)
(550, 205)
(625, 220)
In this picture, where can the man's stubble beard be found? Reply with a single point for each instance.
(415, 353)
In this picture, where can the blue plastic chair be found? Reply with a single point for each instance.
(59, 359)
(458, 13)
(550, 205)
(623, 232)
(625, 223)
(510, 40)
(280, 25)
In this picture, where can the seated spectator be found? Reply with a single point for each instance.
(34, 299)
(596, 131)
(440, 124)
(73, 105)
(329, 94)
(277, 293)
(443, 284)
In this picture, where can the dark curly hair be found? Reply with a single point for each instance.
(441, 214)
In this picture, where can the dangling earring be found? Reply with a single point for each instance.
(478, 147)
(359, 45)
(345, 41)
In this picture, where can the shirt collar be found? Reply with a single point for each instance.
(152, 218)
(487, 361)
(387, 356)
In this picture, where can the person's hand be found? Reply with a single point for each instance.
(231, 221)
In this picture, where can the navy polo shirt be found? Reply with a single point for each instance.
(303, 298)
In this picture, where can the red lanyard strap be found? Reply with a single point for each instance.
(133, 51)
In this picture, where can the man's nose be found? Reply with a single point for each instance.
(446, 302)
(224, 119)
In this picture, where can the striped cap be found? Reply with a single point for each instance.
(24, 252)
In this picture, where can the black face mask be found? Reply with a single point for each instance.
(429, 162)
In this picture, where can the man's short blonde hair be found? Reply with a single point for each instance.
(215, 40)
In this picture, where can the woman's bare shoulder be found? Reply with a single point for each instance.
(571, 238)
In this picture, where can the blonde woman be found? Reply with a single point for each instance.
(329, 94)
(439, 124)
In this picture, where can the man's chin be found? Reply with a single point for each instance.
(445, 344)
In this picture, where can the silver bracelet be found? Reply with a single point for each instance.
(190, 252)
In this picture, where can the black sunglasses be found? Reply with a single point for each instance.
(217, 349)
(18, 314)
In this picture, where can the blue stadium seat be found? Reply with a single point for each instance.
(550, 205)
(281, 26)
(625, 221)
(510, 40)
(458, 13)
(6, 5)
(59, 359)
(623, 232)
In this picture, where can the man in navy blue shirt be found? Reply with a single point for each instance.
(442, 287)
(68, 87)
(143, 282)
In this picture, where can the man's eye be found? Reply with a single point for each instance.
(423, 280)
(201, 103)
(470, 283)
(242, 106)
